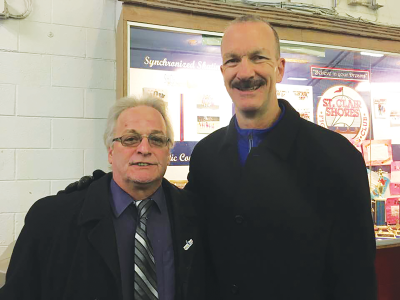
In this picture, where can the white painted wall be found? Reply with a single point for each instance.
(57, 81)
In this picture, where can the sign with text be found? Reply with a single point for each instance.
(180, 154)
(339, 74)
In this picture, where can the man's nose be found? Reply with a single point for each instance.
(144, 146)
(245, 69)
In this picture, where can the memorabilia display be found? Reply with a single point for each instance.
(386, 112)
(160, 93)
(395, 172)
(377, 152)
(207, 102)
(392, 211)
(343, 110)
(378, 202)
(395, 188)
(300, 97)
(207, 124)
(380, 108)
(339, 89)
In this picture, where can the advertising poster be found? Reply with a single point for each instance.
(386, 113)
(343, 110)
(392, 211)
(300, 97)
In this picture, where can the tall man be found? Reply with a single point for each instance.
(129, 235)
(288, 206)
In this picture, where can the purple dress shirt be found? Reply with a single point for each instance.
(125, 218)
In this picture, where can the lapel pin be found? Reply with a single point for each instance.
(188, 244)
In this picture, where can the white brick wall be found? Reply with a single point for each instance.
(7, 99)
(100, 43)
(7, 164)
(98, 102)
(19, 132)
(57, 81)
(9, 35)
(96, 159)
(6, 236)
(50, 101)
(85, 73)
(50, 39)
(19, 223)
(78, 133)
(49, 164)
(18, 196)
(25, 68)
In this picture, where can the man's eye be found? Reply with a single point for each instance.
(131, 139)
(231, 62)
(259, 58)
(157, 140)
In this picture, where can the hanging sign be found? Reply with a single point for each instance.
(343, 110)
(339, 74)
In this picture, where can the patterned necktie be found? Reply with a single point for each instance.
(145, 268)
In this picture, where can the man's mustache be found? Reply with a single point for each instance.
(245, 84)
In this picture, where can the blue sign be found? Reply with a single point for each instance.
(180, 154)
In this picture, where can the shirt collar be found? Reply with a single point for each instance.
(244, 133)
(120, 199)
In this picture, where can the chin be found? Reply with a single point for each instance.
(145, 180)
(248, 108)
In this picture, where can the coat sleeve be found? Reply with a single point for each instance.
(352, 247)
(24, 272)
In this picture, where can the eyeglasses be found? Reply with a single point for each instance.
(132, 140)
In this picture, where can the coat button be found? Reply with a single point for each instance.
(235, 289)
(239, 219)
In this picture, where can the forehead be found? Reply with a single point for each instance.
(143, 119)
(241, 38)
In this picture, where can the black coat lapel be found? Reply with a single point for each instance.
(97, 219)
(229, 166)
(185, 233)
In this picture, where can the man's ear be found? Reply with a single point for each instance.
(110, 155)
(280, 69)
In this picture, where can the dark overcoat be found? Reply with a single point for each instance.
(294, 222)
(67, 249)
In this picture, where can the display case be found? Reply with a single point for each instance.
(351, 86)
(350, 91)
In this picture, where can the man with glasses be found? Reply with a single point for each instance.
(129, 235)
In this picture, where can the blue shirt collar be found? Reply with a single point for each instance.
(244, 133)
(120, 199)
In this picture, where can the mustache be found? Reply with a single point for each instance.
(247, 83)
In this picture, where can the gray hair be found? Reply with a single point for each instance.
(128, 102)
(256, 19)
